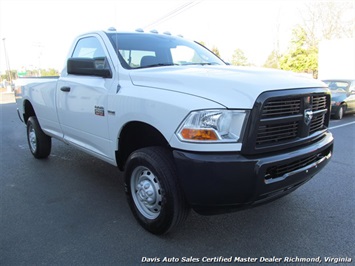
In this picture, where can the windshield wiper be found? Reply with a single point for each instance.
(184, 64)
(158, 65)
(201, 64)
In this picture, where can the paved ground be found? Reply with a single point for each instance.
(71, 210)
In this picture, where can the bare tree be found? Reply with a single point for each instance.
(326, 20)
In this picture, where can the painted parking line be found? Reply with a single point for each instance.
(344, 125)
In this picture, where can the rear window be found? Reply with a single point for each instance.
(337, 85)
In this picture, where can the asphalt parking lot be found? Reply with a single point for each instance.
(71, 209)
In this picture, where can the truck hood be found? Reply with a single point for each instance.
(232, 87)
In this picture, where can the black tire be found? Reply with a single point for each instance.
(40, 144)
(339, 115)
(153, 192)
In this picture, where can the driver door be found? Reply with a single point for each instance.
(82, 102)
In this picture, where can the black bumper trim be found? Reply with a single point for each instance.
(223, 182)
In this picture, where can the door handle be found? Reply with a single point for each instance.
(65, 89)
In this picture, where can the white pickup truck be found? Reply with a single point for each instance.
(188, 130)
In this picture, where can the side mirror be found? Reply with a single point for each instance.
(89, 67)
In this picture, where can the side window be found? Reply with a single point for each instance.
(88, 47)
(91, 48)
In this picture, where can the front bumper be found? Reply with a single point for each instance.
(223, 182)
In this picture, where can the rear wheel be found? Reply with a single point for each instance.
(40, 144)
(153, 192)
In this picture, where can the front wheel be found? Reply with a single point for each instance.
(153, 192)
(40, 144)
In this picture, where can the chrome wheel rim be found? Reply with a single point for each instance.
(146, 192)
(32, 139)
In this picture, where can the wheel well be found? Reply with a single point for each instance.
(28, 111)
(344, 105)
(137, 135)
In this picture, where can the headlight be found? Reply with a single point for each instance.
(213, 126)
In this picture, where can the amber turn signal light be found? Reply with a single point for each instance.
(199, 134)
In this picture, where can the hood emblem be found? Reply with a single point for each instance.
(308, 115)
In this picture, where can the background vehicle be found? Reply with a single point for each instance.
(343, 97)
(188, 130)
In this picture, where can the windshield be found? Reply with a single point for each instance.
(140, 50)
(335, 85)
